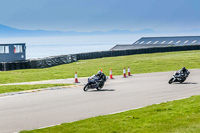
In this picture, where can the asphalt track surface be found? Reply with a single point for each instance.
(45, 108)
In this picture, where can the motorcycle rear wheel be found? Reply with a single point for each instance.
(182, 81)
(98, 88)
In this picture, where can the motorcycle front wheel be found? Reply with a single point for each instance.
(86, 87)
(171, 80)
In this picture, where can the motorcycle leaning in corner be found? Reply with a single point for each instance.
(95, 82)
(179, 76)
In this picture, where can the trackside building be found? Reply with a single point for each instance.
(147, 42)
(177, 40)
(12, 52)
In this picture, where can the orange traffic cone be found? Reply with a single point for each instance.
(101, 70)
(129, 71)
(76, 78)
(124, 73)
(111, 76)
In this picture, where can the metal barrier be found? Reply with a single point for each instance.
(94, 55)
(38, 63)
(52, 61)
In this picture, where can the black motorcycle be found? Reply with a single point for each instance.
(94, 83)
(179, 77)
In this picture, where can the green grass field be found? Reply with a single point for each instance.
(142, 63)
(16, 88)
(181, 116)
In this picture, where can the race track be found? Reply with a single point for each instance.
(39, 109)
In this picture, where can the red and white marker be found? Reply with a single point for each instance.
(76, 77)
(129, 71)
(111, 76)
(101, 70)
(124, 72)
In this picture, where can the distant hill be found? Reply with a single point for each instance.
(6, 31)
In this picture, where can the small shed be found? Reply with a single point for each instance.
(12, 52)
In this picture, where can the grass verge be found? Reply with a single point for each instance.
(17, 88)
(179, 116)
(142, 63)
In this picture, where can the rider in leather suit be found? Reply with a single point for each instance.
(101, 76)
(184, 71)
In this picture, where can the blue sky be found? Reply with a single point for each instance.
(101, 15)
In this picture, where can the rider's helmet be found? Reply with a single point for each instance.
(183, 68)
(99, 73)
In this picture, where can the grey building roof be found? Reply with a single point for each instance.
(12, 43)
(176, 40)
(147, 42)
